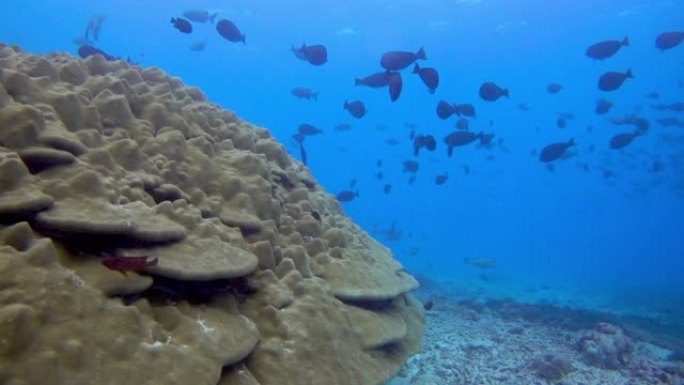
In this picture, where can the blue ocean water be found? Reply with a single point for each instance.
(601, 224)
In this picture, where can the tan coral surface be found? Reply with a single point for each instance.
(261, 278)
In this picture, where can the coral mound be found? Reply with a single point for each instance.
(606, 346)
(261, 278)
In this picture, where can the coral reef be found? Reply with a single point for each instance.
(258, 276)
(606, 346)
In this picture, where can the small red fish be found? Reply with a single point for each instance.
(123, 263)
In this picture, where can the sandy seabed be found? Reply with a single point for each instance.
(469, 342)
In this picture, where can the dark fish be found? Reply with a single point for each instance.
(671, 121)
(560, 123)
(378, 175)
(352, 183)
(378, 163)
(486, 140)
(93, 27)
(302, 153)
(347, 195)
(653, 95)
(411, 125)
(88, 50)
(342, 127)
(490, 92)
(555, 150)
(606, 49)
(554, 88)
(376, 80)
(392, 142)
(229, 31)
(464, 109)
(181, 24)
(308, 130)
(603, 106)
(675, 107)
(611, 81)
(641, 124)
(460, 138)
(462, 124)
(356, 108)
(428, 75)
(441, 179)
(622, 140)
(426, 141)
(523, 107)
(669, 40)
(299, 137)
(398, 60)
(314, 54)
(200, 16)
(198, 46)
(387, 189)
(304, 93)
(411, 166)
(444, 110)
(395, 84)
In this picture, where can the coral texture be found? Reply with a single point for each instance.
(606, 346)
(260, 279)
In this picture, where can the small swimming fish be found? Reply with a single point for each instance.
(441, 179)
(181, 24)
(428, 75)
(314, 54)
(356, 108)
(622, 140)
(603, 106)
(605, 49)
(395, 85)
(347, 195)
(554, 88)
(411, 166)
(304, 93)
(398, 60)
(490, 92)
(308, 130)
(229, 31)
(669, 40)
(465, 109)
(554, 151)
(200, 15)
(376, 80)
(611, 81)
(444, 110)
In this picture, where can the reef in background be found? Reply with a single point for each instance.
(261, 278)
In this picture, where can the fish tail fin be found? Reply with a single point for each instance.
(357, 81)
(346, 104)
(314, 95)
(416, 68)
(431, 91)
(244, 39)
(421, 54)
(629, 73)
(450, 150)
(571, 142)
(625, 41)
(356, 194)
(212, 18)
(505, 92)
